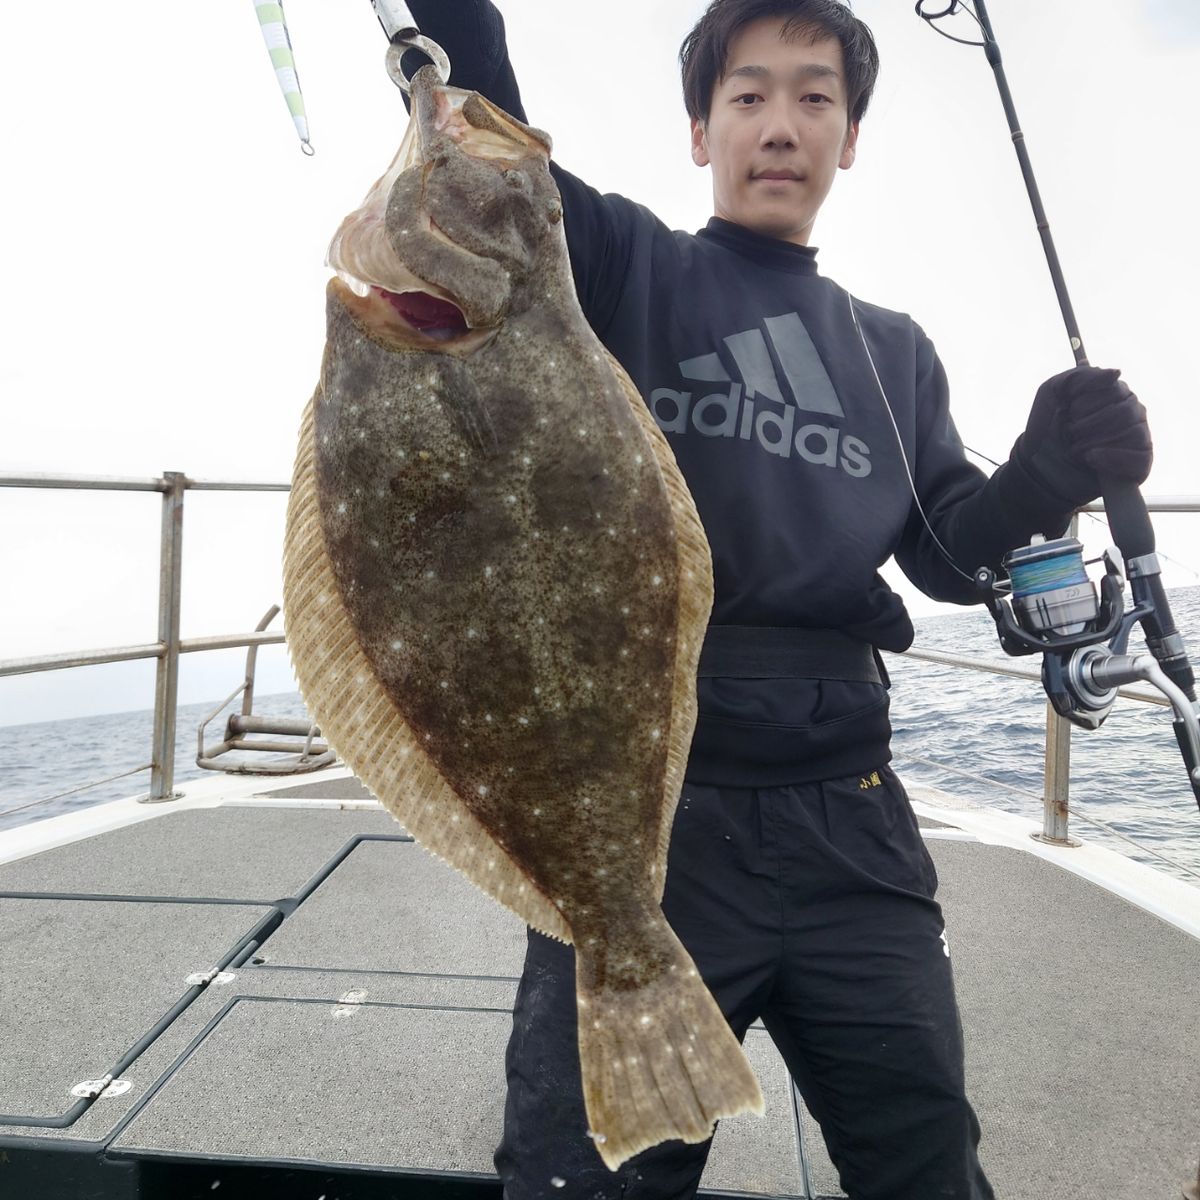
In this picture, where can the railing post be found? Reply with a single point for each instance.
(1056, 793)
(166, 686)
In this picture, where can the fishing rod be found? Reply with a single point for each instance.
(1048, 604)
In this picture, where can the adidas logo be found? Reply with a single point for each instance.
(737, 410)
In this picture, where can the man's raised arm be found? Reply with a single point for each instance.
(472, 34)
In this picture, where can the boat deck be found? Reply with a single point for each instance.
(353, 1039)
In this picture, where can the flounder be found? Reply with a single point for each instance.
(497, 587)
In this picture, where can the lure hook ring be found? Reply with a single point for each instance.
(415, 41)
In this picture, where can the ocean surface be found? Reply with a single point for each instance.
(979, 736)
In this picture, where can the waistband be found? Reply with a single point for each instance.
(775, 652)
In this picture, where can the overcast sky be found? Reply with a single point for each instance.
(165, 240)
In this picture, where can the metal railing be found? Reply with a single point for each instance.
(169, 646)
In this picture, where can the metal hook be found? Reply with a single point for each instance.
(415, 41)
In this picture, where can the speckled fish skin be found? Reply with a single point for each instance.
(501, 535)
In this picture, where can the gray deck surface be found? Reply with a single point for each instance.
(1078, 1009)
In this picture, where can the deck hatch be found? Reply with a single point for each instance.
(390, 906)
(401, 1088)
(83, 981)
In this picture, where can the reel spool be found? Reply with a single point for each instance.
(1051, 592)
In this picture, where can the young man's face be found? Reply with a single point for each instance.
(777, 130)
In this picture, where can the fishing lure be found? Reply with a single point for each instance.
(279, 45)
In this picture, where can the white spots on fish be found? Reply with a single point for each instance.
(657, 581)
(359, 679)
(430, 574)
(612, 532)
(526, 460)
(537, 691)
(445, 475)
(491, 864)
(587, 683)
(374, 542)
(586, 801)
(323, 598)
(444, 684)
(624, 610)
(583, 432)
(551, 363)
(595, 358)
(637, 458)
(557, 1181)
(646, 1019)
(487, 717)
(472, 633)
(646, 631)
(522, 720)
(655, 734)
(454, 818)
(488, 572)
(601, 872)
(537, 812)
(341, 508)
(482, 789)
(543, 420)
(397, 644)
(510, 499)
(624, 654)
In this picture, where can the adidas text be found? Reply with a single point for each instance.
(729, 414)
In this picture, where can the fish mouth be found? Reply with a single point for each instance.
(420, 317)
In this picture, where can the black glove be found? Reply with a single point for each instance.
(1085, 426)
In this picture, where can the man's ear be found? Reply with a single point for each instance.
(699, 143)
(850, 148)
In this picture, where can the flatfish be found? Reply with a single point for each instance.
(497, 587)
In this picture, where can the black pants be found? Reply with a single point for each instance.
(809, 906)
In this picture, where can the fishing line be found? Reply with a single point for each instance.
(1093, 518)
(900, 442)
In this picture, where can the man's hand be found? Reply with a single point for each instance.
(1085, 426)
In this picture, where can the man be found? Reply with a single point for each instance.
(815, 435)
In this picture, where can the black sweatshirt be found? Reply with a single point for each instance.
(762, 375)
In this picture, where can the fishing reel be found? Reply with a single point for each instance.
(1049, 605)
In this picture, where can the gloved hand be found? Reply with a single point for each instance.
(1085, 425)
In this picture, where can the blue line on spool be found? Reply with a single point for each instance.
(1059, 568)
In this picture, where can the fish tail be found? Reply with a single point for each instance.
(659, 1062)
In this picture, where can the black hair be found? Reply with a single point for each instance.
(704, 54)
